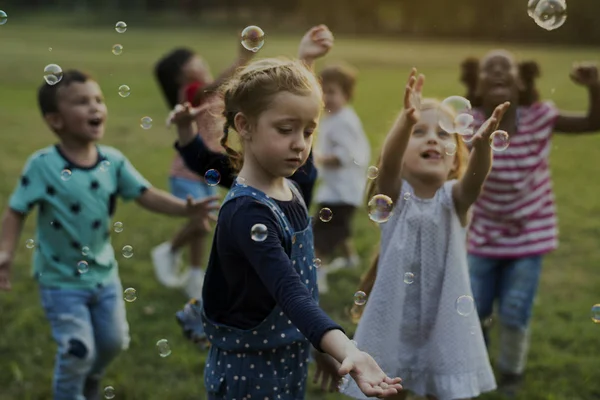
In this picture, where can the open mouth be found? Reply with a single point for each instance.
(431, 155)
(95, 122)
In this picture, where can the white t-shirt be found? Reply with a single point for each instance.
(342, 135)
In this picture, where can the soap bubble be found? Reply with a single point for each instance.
(464, 305)
(117, 49)
(372, 172)
(253, 38)
(499, 140)
(83, 267)
(130, 294)
(406, 196)
(596, 313)
(212, 177)
(450, 148)
(121, 27)
(454, 114)
(30, 243)
(104, 165)
(118, 227)
(146, 122)
(317, 262)
(124, 91)
(85, 251)
(360, 298)
(409, 278)
(3, 17)
(550, 14)
(325, 214)
(380, 208)
(127, 251)
(164, 349)
(258, 232)
(53, 74)
(109, 392)
(65, 174)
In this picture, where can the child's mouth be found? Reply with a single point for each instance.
(431, 155)
(95, 122)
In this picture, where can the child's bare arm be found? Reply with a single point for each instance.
(159, 201)
(396, 142)
(315, 43)
(466, 191)
(586, 75)
(12, 225)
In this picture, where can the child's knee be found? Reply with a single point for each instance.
(76, 356)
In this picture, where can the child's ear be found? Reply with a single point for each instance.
(243, 126)
(55, 121)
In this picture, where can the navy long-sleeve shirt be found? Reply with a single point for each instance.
(200, 159)
(246, 279)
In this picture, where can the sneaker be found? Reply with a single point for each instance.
(509, 384)
(337, 264)
(166, 265)
(190, 320)
(192, 282)
(353, 261)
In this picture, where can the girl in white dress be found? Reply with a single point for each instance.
(419, 321)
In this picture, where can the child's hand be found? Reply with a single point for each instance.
(182, 115)
(412, 98)
(327, 371)
(5, 267)
(202, 211)
(315, 43)
(482, 138)
(369, 377)
(585, 74)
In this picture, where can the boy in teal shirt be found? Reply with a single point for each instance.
(75, 185)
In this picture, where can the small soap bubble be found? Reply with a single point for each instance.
(118, 227)
(85, 251)
(463, 124)
(121, 27)
(164, 350)
(212, 177)
(549, 14)
(109, 392)
(450, 148)
(124, 91)
(406, 196)
(146, 122)
(499, 140)
(52, 74)
(409, 278)
(104, 165)
(325, 214)
(130, 294)
(82, 267)
(360, 298)
(30, 243)
(258, 232)
(3, 17)
(49, 48)
(117, 49)
(253, 38)
(65, 174)
(127, 251)
(241, 181)
(380, 208)
(454, 114)
(372, 172)
(383, 385)
(317, 262)
(464, 305)
(595, 313)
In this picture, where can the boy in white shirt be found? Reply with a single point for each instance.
(343, 157)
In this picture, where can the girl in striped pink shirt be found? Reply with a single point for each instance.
(514, 219)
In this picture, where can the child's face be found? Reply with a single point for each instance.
(81, 112)
(498, 78)
(426, 157)
(334, 97)
(281, 139)
(196, 70)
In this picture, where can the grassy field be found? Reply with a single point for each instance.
(564, 361)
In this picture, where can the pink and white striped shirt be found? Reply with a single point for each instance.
(515, 215)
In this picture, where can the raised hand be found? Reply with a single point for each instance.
(5, 267)
(202, 211)
(481, 139)
(585, 74)
(412, 97)
(182, 114)
(369, 377)
(316, 43)
(327, 371)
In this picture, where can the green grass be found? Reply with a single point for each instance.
(564, 361)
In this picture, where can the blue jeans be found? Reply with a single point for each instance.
(90, 328)
(513, 281)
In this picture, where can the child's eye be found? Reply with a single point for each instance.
(308, 133)
(418, 131)
(443, 134)
(284, 129)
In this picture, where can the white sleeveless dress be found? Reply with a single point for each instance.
(418, 331)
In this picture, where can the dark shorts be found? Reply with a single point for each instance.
(328, 235)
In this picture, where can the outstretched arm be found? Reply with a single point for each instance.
(585, 75)
(12, 225)
(315, 43)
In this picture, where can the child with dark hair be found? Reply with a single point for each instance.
(184, 76)
(75, 185)
(514, 220)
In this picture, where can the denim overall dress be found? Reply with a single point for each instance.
(269, 361)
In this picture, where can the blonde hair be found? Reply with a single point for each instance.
(462, 156)
(252, 89)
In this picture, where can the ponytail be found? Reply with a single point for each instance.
(528, 72)
(235, 158)
(469, 76)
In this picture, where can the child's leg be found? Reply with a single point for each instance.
(484, 274)
(111, 330)
(519, 283)
(70, 321)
